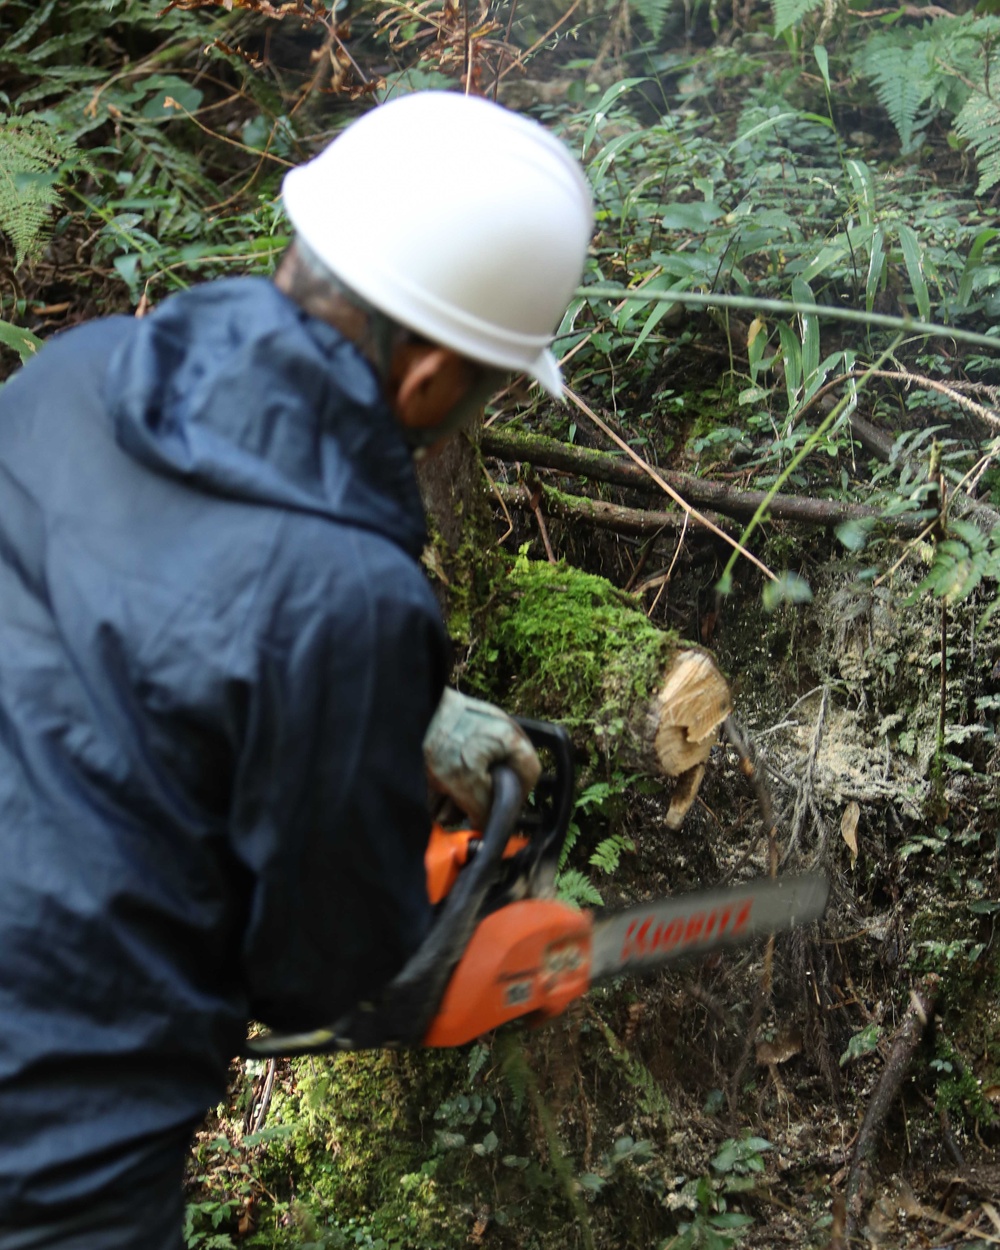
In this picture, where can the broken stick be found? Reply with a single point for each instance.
(904, 1044)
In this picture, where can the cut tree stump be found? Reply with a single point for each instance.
(684, 718)
(555, 643)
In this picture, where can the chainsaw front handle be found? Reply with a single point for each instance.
(403, 1011)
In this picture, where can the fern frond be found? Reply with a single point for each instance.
(608, 852)
(28, 28)
(572, 835)
(653, 13)
(979, 125)
(790, 12)
(573, 887)
(904, 79)
(516, 1072)
(31, 151)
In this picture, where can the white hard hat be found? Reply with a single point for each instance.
(463, 221)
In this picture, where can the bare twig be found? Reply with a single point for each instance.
(736, 739)
(498, 492)
(524, 56)
(533, 503)
(257, 1112)
(988, 415)
(505, 51)
(665, 577)
(658, 479)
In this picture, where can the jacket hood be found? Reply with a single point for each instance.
(235, 389)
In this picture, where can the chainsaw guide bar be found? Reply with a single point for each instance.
(502, 948)
(693, 924)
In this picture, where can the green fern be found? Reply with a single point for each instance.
(789, 13)
(961, 562)
(31, 154)
(919, 73)
(904, 78)
(573, 887)
(653, 13)
(645, 1088)
(609, 852)
(979, 125)
(513, 1063)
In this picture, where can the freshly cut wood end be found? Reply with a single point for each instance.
(685, 793)
(693, 703)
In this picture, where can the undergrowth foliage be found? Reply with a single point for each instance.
(830, 158)
(111, 138)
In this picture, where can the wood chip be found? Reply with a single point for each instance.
(849, 829)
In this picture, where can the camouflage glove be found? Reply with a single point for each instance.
(464, 739)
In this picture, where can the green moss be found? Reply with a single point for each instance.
(356, 1143)
(959, 1091)
(567, 645)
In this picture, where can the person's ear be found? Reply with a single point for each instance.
(428, 382)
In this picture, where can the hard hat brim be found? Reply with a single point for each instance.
(548, 375)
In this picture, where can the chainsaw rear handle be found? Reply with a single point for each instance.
(548, 820)
(403, 1011)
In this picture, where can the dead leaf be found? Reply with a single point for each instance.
(784, 1046)
(849, 829)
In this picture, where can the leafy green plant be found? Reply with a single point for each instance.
(223, 1181)
(735, 1172)
(978, 124)
(958, 1092)
(903, 66)
(862, 1043)
(961, 561)
(120, 151)
(201, 1225)
(599, 799)
(19, 340)
(625, 1150)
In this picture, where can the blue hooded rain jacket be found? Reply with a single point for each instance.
(218, 659)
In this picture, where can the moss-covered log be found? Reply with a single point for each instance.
(559, 644)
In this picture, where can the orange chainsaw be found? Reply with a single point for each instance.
(503, 948)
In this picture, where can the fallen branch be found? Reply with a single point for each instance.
(904, 1044)
(875, 441)
(549, 453)
(597, 511)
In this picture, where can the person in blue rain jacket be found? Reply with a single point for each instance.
(222, 671)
